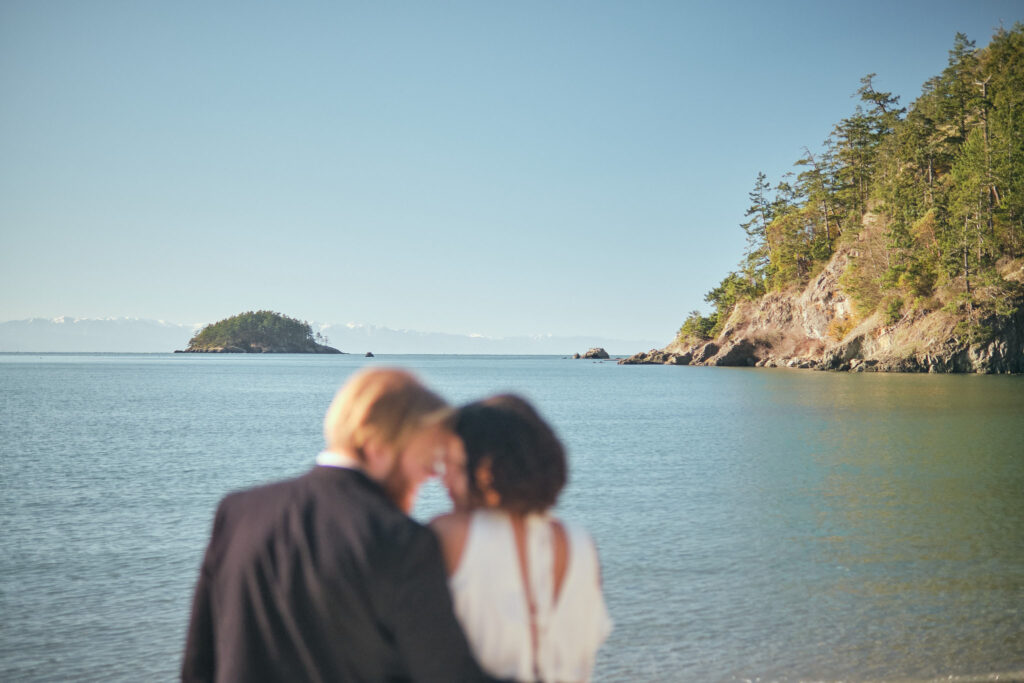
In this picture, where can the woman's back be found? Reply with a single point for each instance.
(561, 598)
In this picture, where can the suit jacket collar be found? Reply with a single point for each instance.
(343, 474)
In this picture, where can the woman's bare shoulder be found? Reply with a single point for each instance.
(452, 529)
(450, 522)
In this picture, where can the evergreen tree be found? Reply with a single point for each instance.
(759, 216)
(816, 185)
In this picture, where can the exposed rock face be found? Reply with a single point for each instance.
(596, 352)
(656, 357)
(740, 352)
(809, 328)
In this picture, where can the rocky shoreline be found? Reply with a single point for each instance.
(257, 348)
(816, 328)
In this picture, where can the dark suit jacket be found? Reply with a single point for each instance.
(322, 578)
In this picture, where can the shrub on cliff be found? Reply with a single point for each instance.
(697, 328)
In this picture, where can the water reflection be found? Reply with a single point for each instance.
(913, 489)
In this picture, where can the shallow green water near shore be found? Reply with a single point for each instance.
(752, 524)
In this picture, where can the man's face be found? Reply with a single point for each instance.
(417, 462)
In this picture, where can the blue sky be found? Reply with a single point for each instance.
(500, 168)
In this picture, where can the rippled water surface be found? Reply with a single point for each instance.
(771, 524)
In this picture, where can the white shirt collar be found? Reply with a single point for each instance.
(332, 459)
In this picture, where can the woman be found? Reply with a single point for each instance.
(526, 586)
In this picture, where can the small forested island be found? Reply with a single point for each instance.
(898, 247)
(258, 332)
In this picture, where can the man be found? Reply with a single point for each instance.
(324, 577)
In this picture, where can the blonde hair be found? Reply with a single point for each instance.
(388, 405)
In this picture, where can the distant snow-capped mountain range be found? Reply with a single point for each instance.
(137, 335)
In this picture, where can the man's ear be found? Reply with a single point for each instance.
(380, 459)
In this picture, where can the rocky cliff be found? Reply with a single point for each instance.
(817, 327)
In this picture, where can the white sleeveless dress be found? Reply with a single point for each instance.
(491, 604)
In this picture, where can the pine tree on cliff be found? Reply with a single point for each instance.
(759, 216)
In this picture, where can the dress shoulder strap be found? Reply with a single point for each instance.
(543, 550)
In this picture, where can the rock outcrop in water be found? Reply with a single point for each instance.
(817, 327)
(257, 332)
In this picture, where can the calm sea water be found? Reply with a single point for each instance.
(752, 524)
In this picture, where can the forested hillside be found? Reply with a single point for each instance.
(927, 200)
(258, 332)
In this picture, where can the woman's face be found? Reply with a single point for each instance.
(455, 477)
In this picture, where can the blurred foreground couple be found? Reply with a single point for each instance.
(326, 578)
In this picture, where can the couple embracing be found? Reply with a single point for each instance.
(325, 577)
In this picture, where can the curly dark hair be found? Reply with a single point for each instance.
(527, 461)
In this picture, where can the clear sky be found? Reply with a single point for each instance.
(500, 168)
